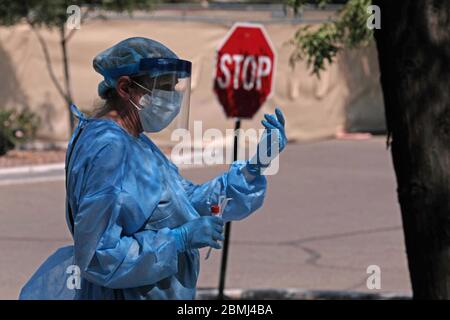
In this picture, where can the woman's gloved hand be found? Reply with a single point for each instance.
(198, 233)
(268, 149)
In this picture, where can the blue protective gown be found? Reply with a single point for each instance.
(125, 197)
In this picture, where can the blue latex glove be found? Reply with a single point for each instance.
(199, 233)
(271, 123)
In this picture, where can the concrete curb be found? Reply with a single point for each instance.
(297, 294)
(11, 182)
(42, 168)
(32, 169)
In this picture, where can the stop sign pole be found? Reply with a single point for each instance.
(223, 264)
(243, 81)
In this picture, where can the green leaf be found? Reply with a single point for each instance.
(323, 43)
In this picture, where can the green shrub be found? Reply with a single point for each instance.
(16, 127)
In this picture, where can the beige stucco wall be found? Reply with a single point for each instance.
(347, 94)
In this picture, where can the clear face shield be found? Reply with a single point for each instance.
(165, 106)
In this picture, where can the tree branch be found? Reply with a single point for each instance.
(48, 62)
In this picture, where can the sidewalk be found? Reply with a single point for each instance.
(19, 158)
(16, 158)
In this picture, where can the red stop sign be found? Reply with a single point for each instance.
(244, 70)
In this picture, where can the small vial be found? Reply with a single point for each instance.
(215, 210)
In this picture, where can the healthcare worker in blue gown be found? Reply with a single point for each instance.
(136, 223)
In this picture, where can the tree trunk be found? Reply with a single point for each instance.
(68, 88)
(414, 56)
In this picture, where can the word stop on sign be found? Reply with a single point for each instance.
(243, 71)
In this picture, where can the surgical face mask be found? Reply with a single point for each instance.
(158, 108)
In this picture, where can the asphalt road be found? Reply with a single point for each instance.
(329, 213)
